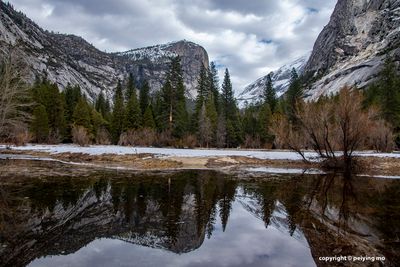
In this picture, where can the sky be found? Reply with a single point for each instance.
(249, 37)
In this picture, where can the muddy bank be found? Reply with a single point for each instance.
(79, 162)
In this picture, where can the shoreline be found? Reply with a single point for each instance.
(255, 162)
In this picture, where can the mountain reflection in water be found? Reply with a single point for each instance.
(197, 218)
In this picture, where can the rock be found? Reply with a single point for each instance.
(70, 59)
(351, 49)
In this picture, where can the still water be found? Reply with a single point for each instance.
(198, 218)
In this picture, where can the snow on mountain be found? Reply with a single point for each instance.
(68, 59)
(152, 63)
(280, 80)
(153, 53)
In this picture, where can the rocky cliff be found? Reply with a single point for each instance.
(70, 59)
(351, 49)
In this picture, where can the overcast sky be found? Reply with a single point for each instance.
(250, 37)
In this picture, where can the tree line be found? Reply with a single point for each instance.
(135, 116)
(138, 116)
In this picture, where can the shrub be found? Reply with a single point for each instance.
(188, 141)
(141, 137)
(127, 138)
(103, 137)
(147, 137)
(381, 137)
(80, 135)
(164, 139)
(252, 141)
(54, 137)
(20, 135)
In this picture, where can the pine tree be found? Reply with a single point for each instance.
(118, 115)
(230, 134)
(97, 121)
(148, 119)
(214, 84)
(390, 93)
(202, 94)
(175, 115)
(133, 113)
(82, 115)
(40, 124)
(144, 96)
(159, 113)
(231, 113)
(228, 104)
(101, 105)
(130, 87)
(181, 124)
(269, 94)
(202, 88)
(294, 95)
(48, 95)
(251, 121)
(108, 115)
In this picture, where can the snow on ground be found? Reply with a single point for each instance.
(163, 152)
(284, 170)
(173, 152)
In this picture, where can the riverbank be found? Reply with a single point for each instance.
(153, 159)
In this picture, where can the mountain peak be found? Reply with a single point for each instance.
(70, 59)
(252, 93)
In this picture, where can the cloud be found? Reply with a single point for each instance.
(251, 38)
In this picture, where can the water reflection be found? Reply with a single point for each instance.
(197, 219)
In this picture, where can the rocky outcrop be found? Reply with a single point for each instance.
(70, 59)
(151, 63)
(351, 49)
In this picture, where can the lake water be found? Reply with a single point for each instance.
(198, 218)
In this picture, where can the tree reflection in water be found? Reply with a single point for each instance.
(337, 214)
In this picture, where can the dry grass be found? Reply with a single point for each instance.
(374, 165)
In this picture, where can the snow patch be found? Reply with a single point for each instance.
(285, 170)
(175, 152)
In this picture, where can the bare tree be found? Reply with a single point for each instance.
(13, 92)
(287, 136)
(334, 128)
